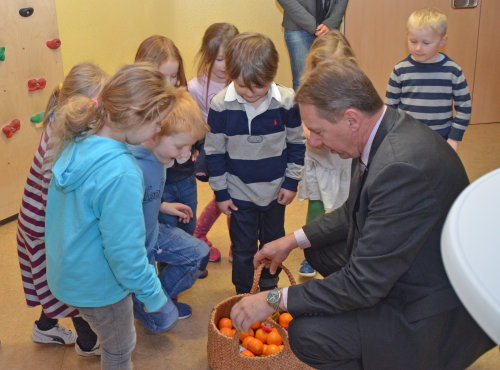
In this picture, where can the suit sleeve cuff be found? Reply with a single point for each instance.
(284, 295)
(301, 238)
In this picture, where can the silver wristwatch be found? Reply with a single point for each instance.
(274, 298)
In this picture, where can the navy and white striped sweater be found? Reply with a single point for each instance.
(429, 91)
(249, 162)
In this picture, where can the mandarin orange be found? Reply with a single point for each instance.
(256, 346)
(225, 322)
(274, 338)
(247, 353)
(285, 319)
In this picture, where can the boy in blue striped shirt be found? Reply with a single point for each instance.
(254, 152)
(428, 84)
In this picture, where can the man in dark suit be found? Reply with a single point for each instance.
(385, 300)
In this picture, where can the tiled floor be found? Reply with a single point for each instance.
(184, 347)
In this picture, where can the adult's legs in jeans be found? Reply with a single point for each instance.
(114, 325)
(327, 342)
(185, 192)
(298, 44)
(182, 259)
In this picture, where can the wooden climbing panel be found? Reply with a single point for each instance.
(29, 71)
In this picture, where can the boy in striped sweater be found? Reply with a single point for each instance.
(428, 84)
(254, 151)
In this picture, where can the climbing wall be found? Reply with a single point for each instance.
(30, 68)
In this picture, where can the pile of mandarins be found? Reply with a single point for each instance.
(262, 340)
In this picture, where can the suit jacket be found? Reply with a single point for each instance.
(301, 14)
(391, 228)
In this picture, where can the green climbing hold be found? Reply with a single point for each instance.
(37, 117)
(2, 53)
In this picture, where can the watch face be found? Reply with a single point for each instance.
(273, 296)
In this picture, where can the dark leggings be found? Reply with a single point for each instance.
(86, 336)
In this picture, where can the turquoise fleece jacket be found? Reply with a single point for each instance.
(95, 231)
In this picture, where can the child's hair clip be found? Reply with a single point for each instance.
(96, 102)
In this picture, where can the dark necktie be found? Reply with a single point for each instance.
(362, 168)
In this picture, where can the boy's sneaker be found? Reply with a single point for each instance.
(203, 275)
(57, 335)
(306, 269)
(95, 351)
(230, 258)
(184, 309)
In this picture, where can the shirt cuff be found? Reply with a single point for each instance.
(284, 296)
(301, 238)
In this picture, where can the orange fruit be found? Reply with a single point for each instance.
(261, 335)
(256, 325)
(244, 334)
(256, 346)
(271, 349)
(274, 338)
(285, 319)
(264, 349)
(225, 322)
(244, 344)
(227, 332)
(247, 353)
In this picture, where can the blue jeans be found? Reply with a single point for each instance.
(185, 192)
(250, 228)
(156, 322)
(181, 259)
(298, 44)
(114, 326)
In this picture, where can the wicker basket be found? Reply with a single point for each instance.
(223, 351)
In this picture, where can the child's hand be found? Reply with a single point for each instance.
(183, 211)
(227, 207)
(453, 144)
(286, 196)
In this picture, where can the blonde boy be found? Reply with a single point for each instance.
(185, 255)
(428, 84)
(254, 151)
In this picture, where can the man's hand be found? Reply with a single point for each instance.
(286, 196)
(322, 30)
(183, 211)
(249, 310)
(227, 207)
(275, 252)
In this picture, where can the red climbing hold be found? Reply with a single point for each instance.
(11, 128)
(37, 84)
(54, 44)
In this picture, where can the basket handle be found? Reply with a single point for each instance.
(258, 272)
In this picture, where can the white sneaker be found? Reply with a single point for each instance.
(57, 335)
(95, 351)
